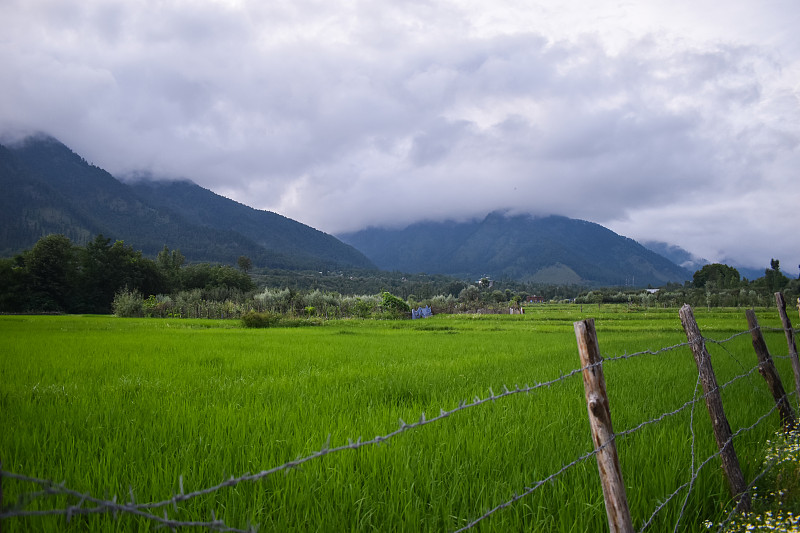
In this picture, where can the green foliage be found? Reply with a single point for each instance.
(56, 275)
(52, 267)
(394, 306)
(106, 267)
(363, 307)
(128, 304)
(442, 304)
(265, 319)
(170, 263)
(773, 279)
(723, 276)
(268, 319)
(204, 276)
(469, 294)
(244, 263)
(715, 285)
(14, 285)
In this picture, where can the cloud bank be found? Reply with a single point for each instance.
(675, 121)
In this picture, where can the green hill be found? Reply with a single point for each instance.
(47, 189)
(202, 207)
(549, 249)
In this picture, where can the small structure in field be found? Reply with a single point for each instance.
(422, 312)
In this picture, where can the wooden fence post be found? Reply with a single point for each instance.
(787, 327)
(766, 367)
(617, 511)
(719, 422)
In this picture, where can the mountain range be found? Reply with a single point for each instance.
(47, 188)
(550, 249)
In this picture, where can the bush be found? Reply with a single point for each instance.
(128, 304)
(267, 319)
(394, 306)
(299, 322)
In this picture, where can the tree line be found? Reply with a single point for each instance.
(714, 285)
(58, 276)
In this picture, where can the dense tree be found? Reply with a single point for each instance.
(470, 293)
(204, 276)
(105, 268)
(722, 276)
(14, 285)
(245, 264)
(56, 275)
(52, 269)
(170, 263)
(773, 279)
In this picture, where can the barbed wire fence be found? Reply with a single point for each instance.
(158, 511)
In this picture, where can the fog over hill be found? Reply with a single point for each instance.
(47, 188)
(50, 189)
(545, 249)
(668, 120)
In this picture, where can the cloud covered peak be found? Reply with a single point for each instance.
(677, 122)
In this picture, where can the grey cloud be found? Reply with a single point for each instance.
(343, 116)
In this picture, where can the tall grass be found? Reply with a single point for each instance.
(111, 405)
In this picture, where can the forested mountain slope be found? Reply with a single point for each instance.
(550, 249)
(273, 231)
(47, 189)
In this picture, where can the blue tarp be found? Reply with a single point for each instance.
(422, 312)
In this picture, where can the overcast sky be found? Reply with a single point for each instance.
(673, 120)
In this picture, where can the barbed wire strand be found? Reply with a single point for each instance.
(644, 352)
(686, 405)
(106, 506)
(729, 339)
(536, 485)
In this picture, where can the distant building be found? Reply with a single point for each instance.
(535, 299)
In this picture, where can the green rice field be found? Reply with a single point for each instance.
(145, 408)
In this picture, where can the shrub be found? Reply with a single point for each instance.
(299, 322)
(149, 306)
(394, 306)
(267, 319)
(128, 304)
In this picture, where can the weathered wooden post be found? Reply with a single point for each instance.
(787, 328)
(719, 422)
(617, 511)
(766, 367)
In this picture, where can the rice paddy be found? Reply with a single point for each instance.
(145, 407)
